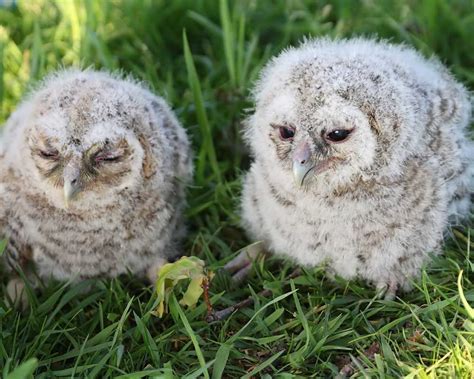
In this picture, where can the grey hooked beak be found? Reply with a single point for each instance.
(72, 182)
(71, 189)
(302, 163)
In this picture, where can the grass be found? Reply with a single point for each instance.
(203, 57)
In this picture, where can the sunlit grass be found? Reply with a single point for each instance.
(203, 56)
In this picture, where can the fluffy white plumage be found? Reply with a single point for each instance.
(93, 175)
(375, 136)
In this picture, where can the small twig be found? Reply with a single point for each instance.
(226, 312)
(205, 287)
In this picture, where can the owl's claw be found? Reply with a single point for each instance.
(387, 291)
(16, 294)
(241, 265)
(242, 274)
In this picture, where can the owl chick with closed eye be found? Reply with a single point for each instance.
(92, 181)
(360, 159)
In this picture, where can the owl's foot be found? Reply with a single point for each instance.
(241, 265)
(16, 294)
(387, 291)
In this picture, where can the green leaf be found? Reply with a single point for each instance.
(193, 293)
(171, 274)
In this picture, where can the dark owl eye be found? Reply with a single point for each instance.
(49, 154)
(287, 133)
(338, 135)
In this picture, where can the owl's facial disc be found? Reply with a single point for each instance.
(103, 164)
(322, 142)
(81, 170)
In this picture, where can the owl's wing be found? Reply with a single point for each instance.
(450, 102)
(3, 178)
(451, 141)
(3, 194)
(176, 135)
(3, 202)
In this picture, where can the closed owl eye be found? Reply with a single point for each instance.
(49, 154)
(107, 157)
(338, 135)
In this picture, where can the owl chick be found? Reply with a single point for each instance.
(360, 159)
(92, 181)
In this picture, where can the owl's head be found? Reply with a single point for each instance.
(88, 138)
(331, 112)
(328, 142)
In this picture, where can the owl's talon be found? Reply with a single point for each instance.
(387, 291)
(241, 265)
(242, 274)
(245, 258)
(16, 294)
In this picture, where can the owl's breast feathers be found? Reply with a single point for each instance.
(355, 228)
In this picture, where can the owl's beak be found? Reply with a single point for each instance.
(302, 163)
(72, 182)
(71, 189)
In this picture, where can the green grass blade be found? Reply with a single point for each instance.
(25, 370)
(270, 303)
(469, 309)
(208, 143)
(3, 245)
(222, 356)
(300, 354)
(228, 40)
(191, 335)
(240, 52)
(205, 22)
(148, 340)
(199, 372)
(148, 374)
(263, 365)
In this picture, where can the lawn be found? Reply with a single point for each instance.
(203, 57)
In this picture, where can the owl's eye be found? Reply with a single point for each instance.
(338, 135)
(49, 154)
(286, 133)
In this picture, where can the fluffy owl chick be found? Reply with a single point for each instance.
(93, 175)
(360, 158)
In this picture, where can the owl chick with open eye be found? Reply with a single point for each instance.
(93, 176)
(360, 159)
